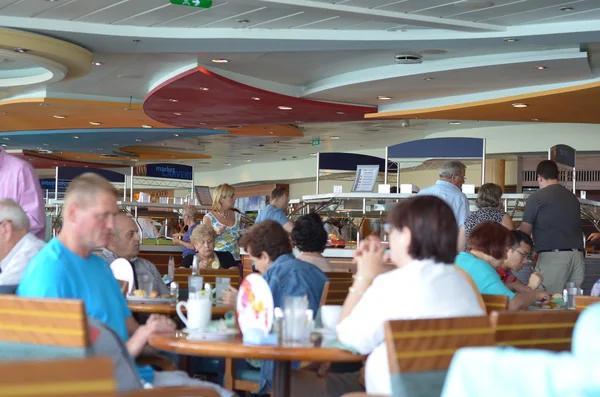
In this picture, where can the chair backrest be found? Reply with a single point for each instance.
(42, 328)
(324, 294)
(420, 351)
(497, 303)
(210, 276)
(90, 377)
(544, 329)
(123, 271)
(339, 282)
(581, 302)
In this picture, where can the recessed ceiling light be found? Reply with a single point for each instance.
(21, 50)
(6, 139)
(173, 157)
(341, 113)
(534, 119)
(271, 132)
(173, 100)
(201, 123)
(43, 104)
(255, 98)
(334, 137)
(204, 88)
(284, 108)
(95, 123)
(75, 137)
(177, 114)
(566, 9)
(57, 116)
(510, 40)
(146, 126)
(96, 63)
(519, 105)
(428, 78)
(454, 122)
(275, 142)
(243, 21)
(115, 144)
(541, 67)
(384, 97)
(312, 154)
(247, 161)
(220, 60)
(46, 144)
(138, 140)
(175, 134)
(227, 164)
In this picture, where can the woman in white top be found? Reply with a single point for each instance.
(310, 237)
(422, 235)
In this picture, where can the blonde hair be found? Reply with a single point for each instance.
(202, 230)
(189, 212)
(85, 189)
(220, 192)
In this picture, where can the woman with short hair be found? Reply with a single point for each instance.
(225, 220)
(203, 238)
(310, 237)
(183, 239)
(489, 202)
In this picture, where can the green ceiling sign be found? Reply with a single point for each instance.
(193, 3)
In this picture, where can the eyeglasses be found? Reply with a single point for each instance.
(523, 254)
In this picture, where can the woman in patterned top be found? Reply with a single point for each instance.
(225, 220)
(489, 201)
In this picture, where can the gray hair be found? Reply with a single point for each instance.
(189, 212)
(453, 167)
(11, 211)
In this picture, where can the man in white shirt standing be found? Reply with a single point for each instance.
(449, 189)
(17, 244)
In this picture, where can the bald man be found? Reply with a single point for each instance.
(125, 243)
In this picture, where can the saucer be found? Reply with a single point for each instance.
(210, 335)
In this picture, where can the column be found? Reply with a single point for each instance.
(495, 172)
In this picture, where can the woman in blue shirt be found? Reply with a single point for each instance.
(183, 239)
(487, 248)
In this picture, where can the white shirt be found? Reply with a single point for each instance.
(421, 289)
(18, 258)
(453, 196)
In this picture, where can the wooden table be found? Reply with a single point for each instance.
(149, 308)
(235, 349)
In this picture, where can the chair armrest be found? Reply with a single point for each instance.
(179, 391)
(157, 361)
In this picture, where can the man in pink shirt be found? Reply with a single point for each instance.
(19, 181)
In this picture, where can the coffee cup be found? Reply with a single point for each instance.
(330, 316)
(198, 313)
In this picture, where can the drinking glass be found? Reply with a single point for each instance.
(295, 322)
(145, 284)
(195, 285)
(221, 285)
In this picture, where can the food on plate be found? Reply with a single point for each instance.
(154, 294)
(556, 296)
(139, 293)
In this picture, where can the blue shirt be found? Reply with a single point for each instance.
(289, 276)
(453, 196)
(483, 274)
(187, 238)
(270, 212)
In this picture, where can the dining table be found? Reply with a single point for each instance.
(283, 356)
(218, 311)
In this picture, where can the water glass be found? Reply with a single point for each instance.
(296, 330)
(195, 285)
(145, 284)
(221, 285)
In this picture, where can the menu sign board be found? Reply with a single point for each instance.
(563, 154)
(366, 178)
(171, 171)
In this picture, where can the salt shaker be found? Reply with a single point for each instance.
(175, 290)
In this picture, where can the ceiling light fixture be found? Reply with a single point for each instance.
(75, 137)
(510, 40)
(334, 137)
(138, 140)
(247, 161)
(146, 126)
(284, 108)
(177, 114)
(541, 67)
(454, 122)
(173, 100)
(255, 98)
(21, 50)
(227, 164)
(3, 145)
(96, 63)
(519, 105)
(43, 104)
(220, 60)
(534, 119)
(204, 88)
(384, 97)
(175, 134)
(6, 139)
(566, 9)
(95, 123)
(312, 154)
(57, 116)
(428, 78)
(341, 113)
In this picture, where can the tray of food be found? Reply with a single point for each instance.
(334, 242)
(140, 296)
(556, 302)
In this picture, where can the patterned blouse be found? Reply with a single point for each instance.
(486, 214)
(228, 241)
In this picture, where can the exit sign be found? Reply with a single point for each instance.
(193, 3)
(316, 141)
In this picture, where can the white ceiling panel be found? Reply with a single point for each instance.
(122, 10)
(412, 5)
(579, 14)
(257, 17)
(75, 9)
(26, 8)
(158, 15)
(449, 10)
(365, 3)
(217, 12)
(292, 21)
(540, 14)
(512, 9)
(337, 23)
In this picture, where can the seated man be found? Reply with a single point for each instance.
(125, 243)
(17, 244)
(516, 258)
(66, 268)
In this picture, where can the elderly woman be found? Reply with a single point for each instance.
(225, 220)
(203, 239)
(422, 237)
(183, 239)
(310, 237)
(489, 201)
(487, 250)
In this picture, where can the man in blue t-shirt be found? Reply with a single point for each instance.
(280, 199)
(66, 268)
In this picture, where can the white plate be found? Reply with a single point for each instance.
(154, 301)
(255, 304)
(210, 335)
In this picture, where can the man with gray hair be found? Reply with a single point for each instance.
(448, 188)
(17, 244)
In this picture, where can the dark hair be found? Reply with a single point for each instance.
(432, 225)
(521, 237)
(269, 237)
(308, 234)
(489, 196)
(279, 192)
(491, 238)
(547, 169)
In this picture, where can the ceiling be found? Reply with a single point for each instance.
(330, 61)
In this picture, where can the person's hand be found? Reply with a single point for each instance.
(219, 230)
(230, 296)
(159, 324)
(369, 258)
(593, 237)
(535, 280)
(542, 296)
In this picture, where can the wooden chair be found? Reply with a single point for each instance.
(420, 351)
(90, 377)
(210, 276)
(581, 302)
(339, 282)
(547, 330)
(497, 303)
